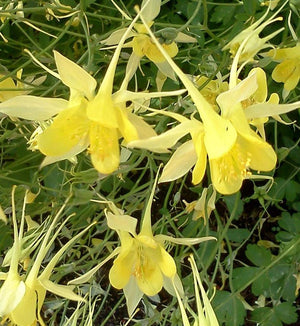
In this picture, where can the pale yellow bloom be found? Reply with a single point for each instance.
(232, 147)
(254, 42)
(203, 207)
(22, 294)
(88, 119)
(288, 70)
(143, 266)
(142, 45)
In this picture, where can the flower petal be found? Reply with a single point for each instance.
(164, 141)
(104, 148)
(152, 9)
(121, 222)
(150, 280)
(268, 109)
(25, 313)
(74, 76)
(67, 130)
(122, 267)
(64, 291)
(180, 163)
(229, 99)
(11, 293)
(33, 107)
(166, 263)
(200, 166)
(78, 148)
(133, 295)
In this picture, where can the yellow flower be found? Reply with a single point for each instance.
(22, 296)
(142, 45)
(202, 207)
(288, 70)
(250, 40)
(89, 120)
(233, 148)
(143, 266)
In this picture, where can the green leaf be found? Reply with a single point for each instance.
(238, 235)
(282, 313)
(286, 312)
(265, 317)
(242, 276)
(259, 256)
(229, 309)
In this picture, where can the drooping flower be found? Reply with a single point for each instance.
(254, 42)
(142, 45)
(233, 148)
(96, 121)
(288, 69)
(143, 266)
(23, 294)
(203, 207)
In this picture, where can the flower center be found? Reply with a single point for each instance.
(235, 164)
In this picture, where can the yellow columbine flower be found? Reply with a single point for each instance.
(233, 148)
(22, 296)
(288, 70)
(142, 45)
(143, 265)
(254, 42)
(96, 121)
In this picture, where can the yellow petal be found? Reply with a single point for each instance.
(104, 148)
(261, 93)
(167, 263)
(123, 266)
(149, 278)
(154, 54)
(220, 135)
(227, 172)
(152, 9)
(25, 313)
(65, 291)
(66, 131)
(33, 107)
(200, 167)
(126, 128)
(121, 222)
(180, 163)
(262, 155)
(74, 76)
(11, 293)
(102, 110)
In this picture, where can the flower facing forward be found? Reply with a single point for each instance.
(288, 69)
(232, 147)
(87, 119)
(22, 296)
(143, 266)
